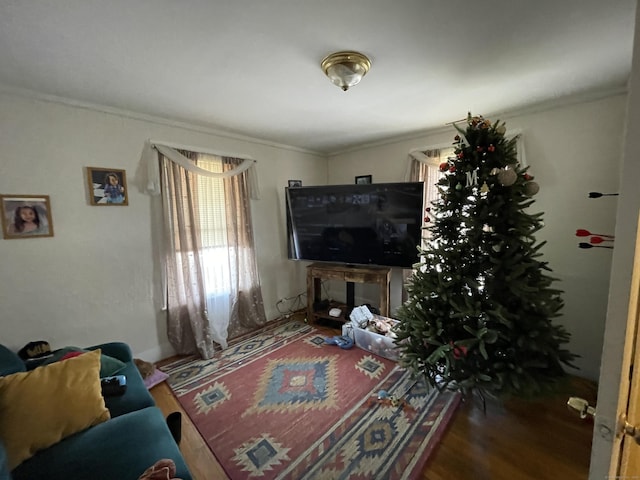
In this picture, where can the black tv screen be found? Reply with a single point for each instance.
(360, 224)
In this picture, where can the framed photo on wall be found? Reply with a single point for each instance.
(295, 183)
(107, 186)
(363, 179)
(26, 216)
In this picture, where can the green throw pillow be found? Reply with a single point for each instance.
(108, 365)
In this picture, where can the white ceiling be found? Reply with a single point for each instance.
(253, 67)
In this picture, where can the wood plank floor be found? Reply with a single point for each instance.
(516, 439)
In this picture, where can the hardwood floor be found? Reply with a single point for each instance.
(200, 460)
(516, 439)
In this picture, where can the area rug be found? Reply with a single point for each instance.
(287, 405)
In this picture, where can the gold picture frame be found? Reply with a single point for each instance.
(107, 186)
(26, 216)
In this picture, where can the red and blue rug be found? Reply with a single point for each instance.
(286, 405)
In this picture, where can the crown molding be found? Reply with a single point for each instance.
(119, 112)
(532, 108)
(537, 107)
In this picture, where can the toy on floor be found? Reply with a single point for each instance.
(383, 397)
(341, 341)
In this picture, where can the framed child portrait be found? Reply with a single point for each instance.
(26, 216)
(363, 179)
(107, 186)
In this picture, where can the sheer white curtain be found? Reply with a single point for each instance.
(210, 294)
(423, 167)
(214, 252)
(188, 327)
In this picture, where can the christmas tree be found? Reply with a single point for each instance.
(481, 303)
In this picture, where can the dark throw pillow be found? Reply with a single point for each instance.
(109, 366)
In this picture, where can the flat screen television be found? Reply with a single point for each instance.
(360, 224)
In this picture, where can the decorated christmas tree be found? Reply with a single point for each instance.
(481, 306)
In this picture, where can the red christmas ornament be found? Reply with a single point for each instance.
(457, 138)
(458, 351)
(427, 219)
(491, 148)
(444, 166)
(428, 209)
(452, 168)
(528, 177)
(460, 155)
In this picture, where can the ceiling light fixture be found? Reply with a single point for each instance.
(345, 69)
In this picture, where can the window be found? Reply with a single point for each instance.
(428, 170)
(210, 193)
(210, 227)
(212, 284)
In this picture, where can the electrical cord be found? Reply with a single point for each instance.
(297, 302)
(295, 305)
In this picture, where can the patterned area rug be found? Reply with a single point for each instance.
(286, 405)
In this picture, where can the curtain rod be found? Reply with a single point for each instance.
(192, 148)
(438, 146)
(456, 121)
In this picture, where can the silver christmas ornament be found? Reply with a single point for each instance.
(507, 177)
(531, 188)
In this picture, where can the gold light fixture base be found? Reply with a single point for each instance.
(345, 69)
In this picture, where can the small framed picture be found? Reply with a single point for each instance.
(295, 183)
(26, 216)
(107, 186)
(363, 179)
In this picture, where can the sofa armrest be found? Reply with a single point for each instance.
(118, 449)
(119, 350)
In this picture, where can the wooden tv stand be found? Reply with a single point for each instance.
(316, 272)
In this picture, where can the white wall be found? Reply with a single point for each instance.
(617, 332)
(571, 149)
(96, 280)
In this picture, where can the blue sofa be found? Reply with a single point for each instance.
(122, 448)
